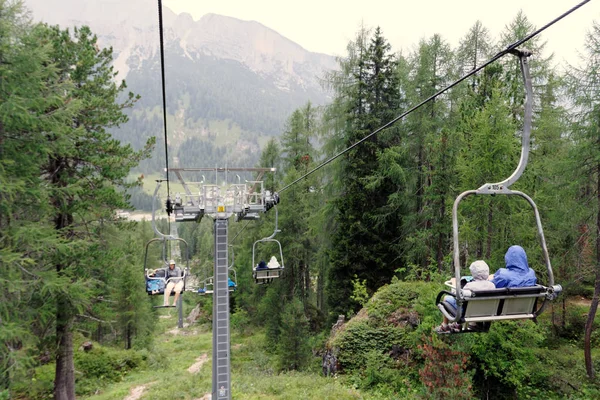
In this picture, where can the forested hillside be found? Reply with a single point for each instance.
(367, 237)
(229, 83)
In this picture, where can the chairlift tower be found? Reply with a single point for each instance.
(245, 201)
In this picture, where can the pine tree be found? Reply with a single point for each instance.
(30, 106)
(293, 346)
(585, 84)
(84, 170)
(370, 97)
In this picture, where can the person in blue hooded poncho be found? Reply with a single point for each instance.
(517, 272)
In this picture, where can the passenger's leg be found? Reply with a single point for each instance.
(178, 289)
(168, 289)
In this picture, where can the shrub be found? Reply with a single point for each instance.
(359, 338)
(444, 373)
(39, 386)
(240, 321)
(101, 365)
(506, 359)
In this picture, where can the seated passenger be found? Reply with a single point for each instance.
(480, 272)
(273, 263)
(261, 265)
(155, 286)
(175, 283)
(231, 283)
(517, 272)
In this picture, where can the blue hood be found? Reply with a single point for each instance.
(517, 272)
(516, 259)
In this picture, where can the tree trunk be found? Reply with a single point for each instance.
(129, 334)
(64, 381)
(589, 366)
(321, 288)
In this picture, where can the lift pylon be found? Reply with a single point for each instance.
(245, 201)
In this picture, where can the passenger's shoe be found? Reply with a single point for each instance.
(474, 327)
(443, 328)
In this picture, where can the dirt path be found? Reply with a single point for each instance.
(198, 364)
(137, 392)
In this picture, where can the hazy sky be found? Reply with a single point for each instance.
(326, 26)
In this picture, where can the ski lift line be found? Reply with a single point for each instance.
(509, 49)
(164, 95)
(237, 234)
(221, 169)
(159, 233)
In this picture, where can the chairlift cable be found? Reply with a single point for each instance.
(508, 49)
(164, 98)
(237, 234)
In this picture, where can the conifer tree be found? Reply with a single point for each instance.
(432, 68)
(31, 105)
(585, 84)
(371, 97)
(293, 347)
(84, 169)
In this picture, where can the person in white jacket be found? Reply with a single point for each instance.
(273, 263)
(480, 272)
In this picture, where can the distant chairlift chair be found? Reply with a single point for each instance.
(262, 272)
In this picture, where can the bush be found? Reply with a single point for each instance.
(39, 386)
(506, 361)
(444, 373)
(101, 365)
(359, 338)
(240, 321)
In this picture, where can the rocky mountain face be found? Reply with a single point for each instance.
(229, 82)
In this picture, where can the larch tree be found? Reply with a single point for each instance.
(431, 69)
(585, 84)
(30, 105)
(86, 171)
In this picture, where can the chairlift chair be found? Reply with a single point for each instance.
(156, 281)
(475, 310)
(155, 278)
(267, 274)
(208, 283)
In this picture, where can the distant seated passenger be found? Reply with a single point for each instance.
(273, 263)
(517, 272)
(155, 286)
(261, 265)
(231, 283)
(158, 273)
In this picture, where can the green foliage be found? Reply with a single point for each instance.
(381, 376)
(359, 338)
(368, 95)
(102, 365)
(240, 321)
(444, 373)
(359, 294)
(293, 347)
(506, 359)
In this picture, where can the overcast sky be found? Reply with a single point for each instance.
(326, 26)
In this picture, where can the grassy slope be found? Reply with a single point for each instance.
(251, 376)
